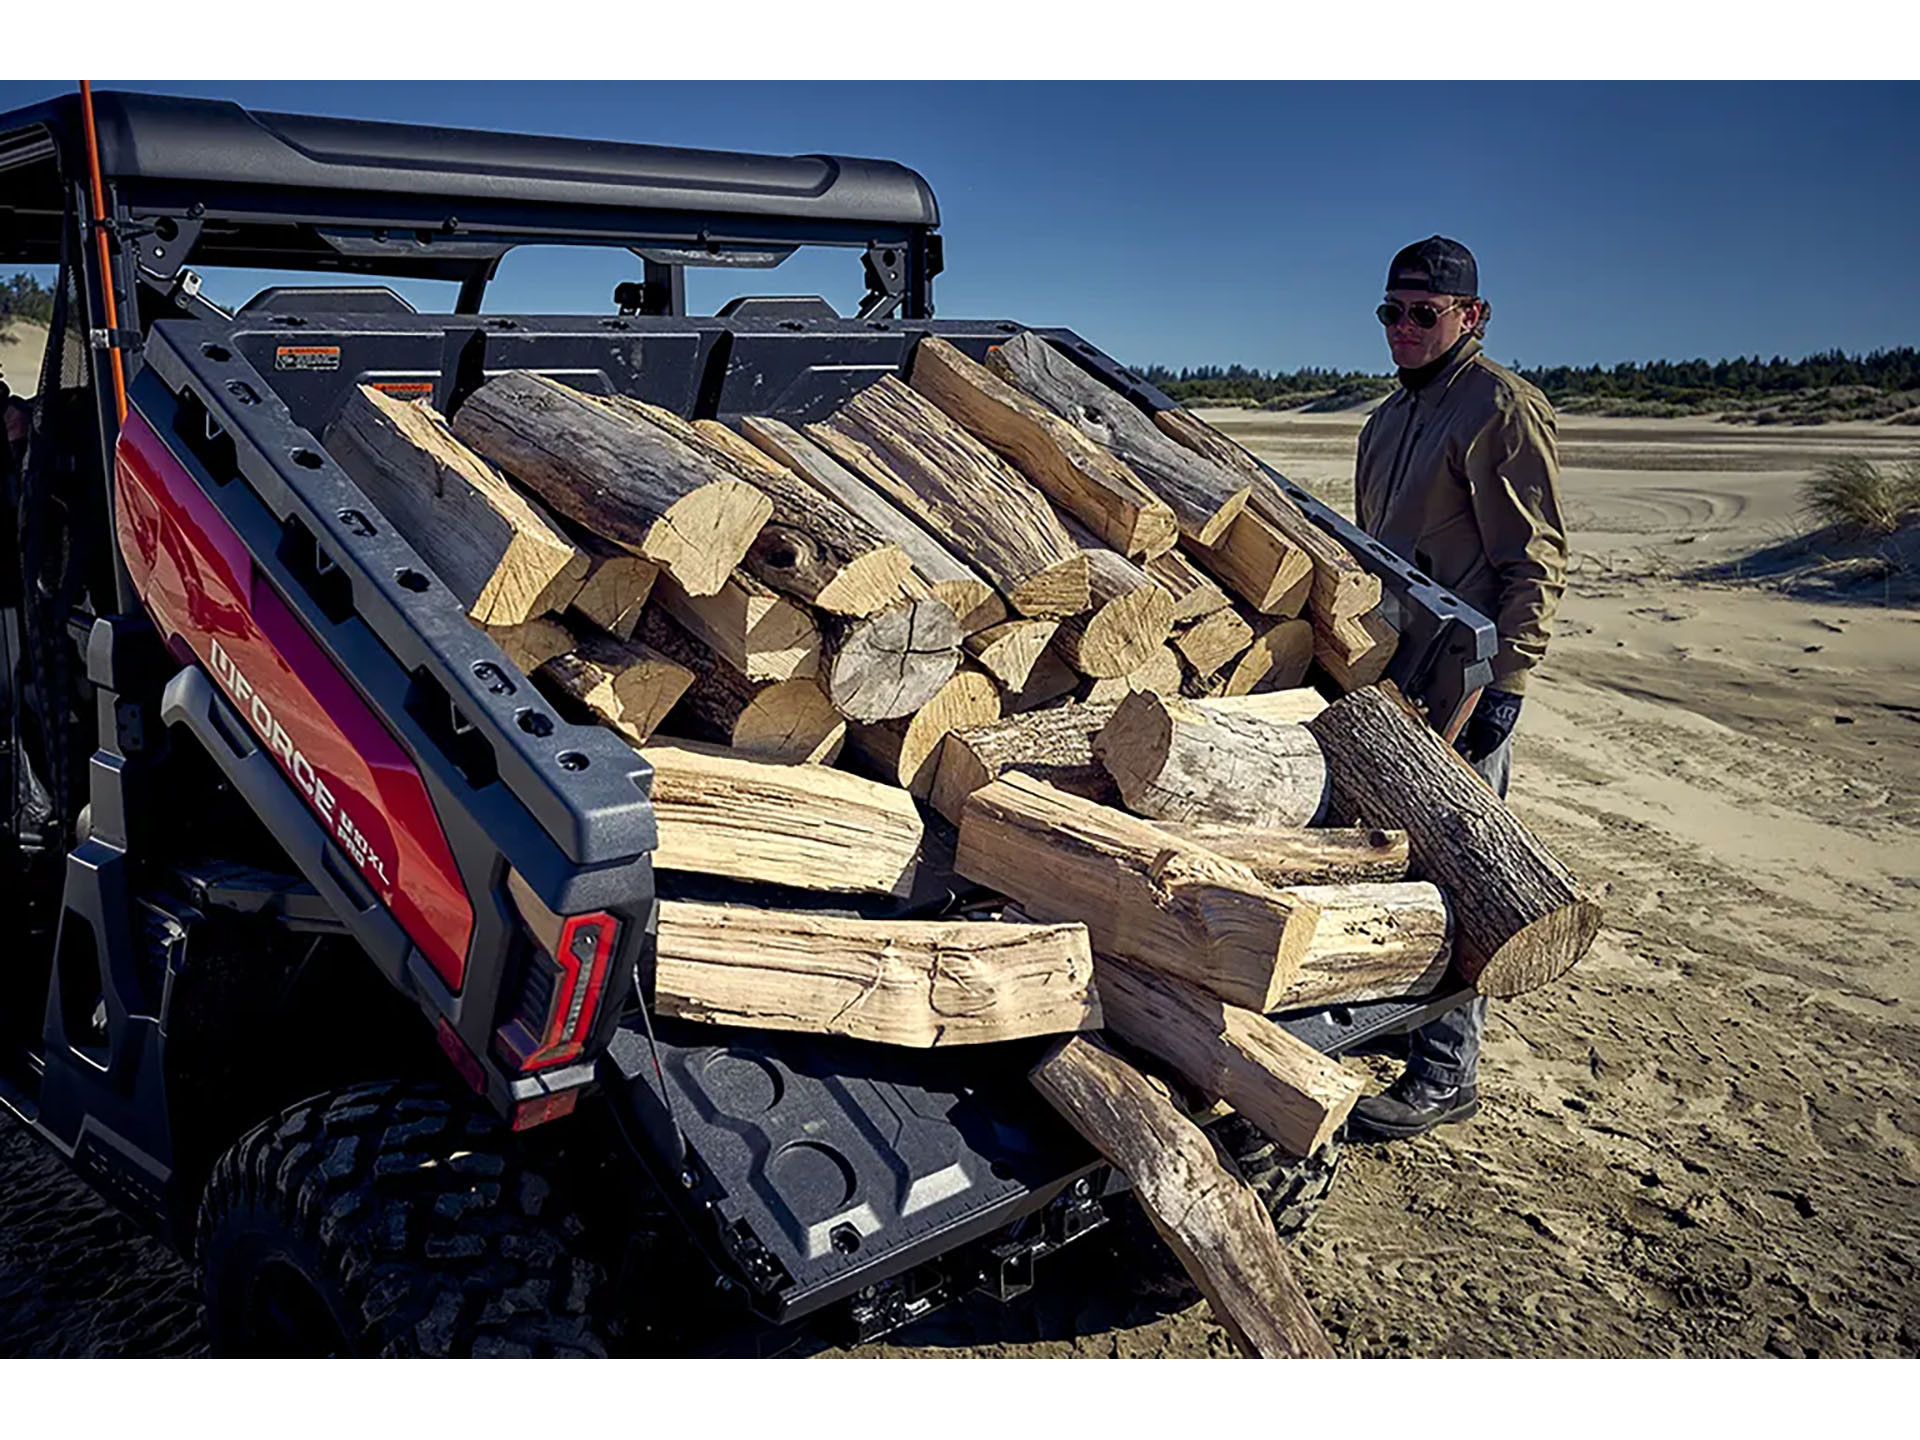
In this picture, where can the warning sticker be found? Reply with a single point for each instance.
(307, 357)
(405, 389)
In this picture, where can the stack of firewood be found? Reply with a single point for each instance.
(1004, 598)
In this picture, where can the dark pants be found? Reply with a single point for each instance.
(1447, 1050)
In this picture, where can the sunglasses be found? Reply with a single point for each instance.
(1424, 315)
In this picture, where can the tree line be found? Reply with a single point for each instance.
(25, 298)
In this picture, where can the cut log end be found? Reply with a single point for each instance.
(889, 665)
(1537, 955)
(1054, 593)
(790, 720)
(705, 534)
(1124, 634)
(1212, 528)
(867, 584)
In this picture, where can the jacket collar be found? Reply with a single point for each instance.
(1438, 374)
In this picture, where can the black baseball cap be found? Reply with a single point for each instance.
(1436, 265)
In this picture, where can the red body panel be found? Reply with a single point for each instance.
(200, 586)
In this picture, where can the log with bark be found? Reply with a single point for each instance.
(627, 686)
(1084, 480)
(1195, 596)
(1287, 1090)
(947, 577)
(1260, 565)
(614, 476)
(907, 448)
(773, 719)
(1144, 894)
(1520, 919)
(498, 553)
(1212, 1222)
(917, 983)
(1375, 941)
(1051, 745)
(532, 643)
(1355, 651)
(806, 826)
(1278, 659)
(1285, 858)
(1173, 759)
(762, 635)
(1010, 650)
(1204, 497)
(906, 751)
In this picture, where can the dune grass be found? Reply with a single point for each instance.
(1856, 493)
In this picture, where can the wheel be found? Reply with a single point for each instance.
(1292, 1187)
(390, 1219)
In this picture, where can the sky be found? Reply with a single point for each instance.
(1219, 223)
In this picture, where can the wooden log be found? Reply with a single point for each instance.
(1277, 660)
(1050, 680)
(1204, 497)
(1176, 760)
(812, 548)
(1160, 674)
(917, 983)
(1260, 565)
(907, 448)
(1077, 475)
(1145, 895)
(1520, 919)
(788, 720)
(1289, 858)
(614, 588)
(532, 643)
(949, 579)
(1208, 644)
(1355, 651)
(626, 483)
(1009, 651)
(1342, 586)
(1129, 619)
(762, 635)
(627, 686)
(1051, 745)
(1213, 1223)
(500, 554)
(807, 826)
(889, 664)
(906, 751)
(1287, 1090)
(1375, 941)
(1291, 706)
(1195, 596)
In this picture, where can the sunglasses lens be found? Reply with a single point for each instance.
(1425, 316)
(1389, 313)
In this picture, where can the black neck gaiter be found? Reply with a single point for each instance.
(1415, 379)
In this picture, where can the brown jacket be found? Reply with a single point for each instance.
(1462, 478)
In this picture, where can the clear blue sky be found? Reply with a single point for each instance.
(1217, 223)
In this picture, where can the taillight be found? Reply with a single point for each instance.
(556, 1032)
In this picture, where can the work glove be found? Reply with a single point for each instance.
(1492, 722)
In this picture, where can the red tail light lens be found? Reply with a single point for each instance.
(580, 954)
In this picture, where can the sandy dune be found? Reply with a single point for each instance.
(1704, 1142)
(21, 347)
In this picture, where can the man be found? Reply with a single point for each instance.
(1458, 472)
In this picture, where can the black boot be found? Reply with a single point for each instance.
(1411, 1106)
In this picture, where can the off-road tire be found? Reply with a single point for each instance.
(1290, 1186)
(390, 1219)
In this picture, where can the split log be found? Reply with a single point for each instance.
(1374, 942)
(495, 551)
(1009, 651)
(626, 483)
(532, 643)
(1160, 675)
(906, 751)
(1288, 1091)
(907, 448)
(1342, 586)
(1204, 497)
(627, 686)
(976, 602)
(1212, 1222)
(918, 983)
(1051, 745)
(1290, 858)
(1077, 475)
(1050, 679)
(614, 589)
(1260, 565)
(789, 720)
(1144, 894)
(1129, 619)
(1520, 919)
(762, 635)
(1290, 706)
(807, 826)
(1277, 660)
(890, 664)
(1175, 760)
(1355, 651)
(1208, 644)
(1195, 596)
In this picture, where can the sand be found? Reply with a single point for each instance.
(1705, 1141)
(21, 347)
